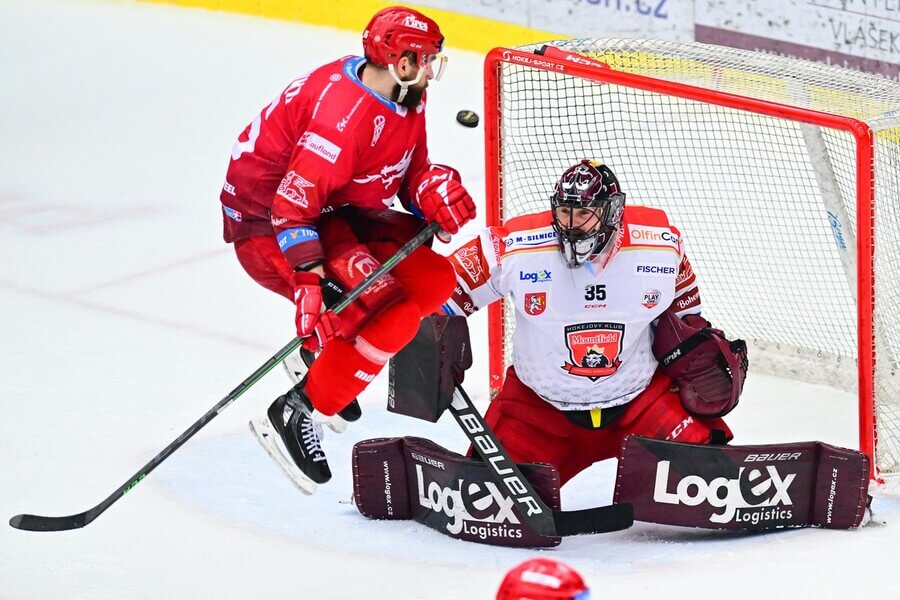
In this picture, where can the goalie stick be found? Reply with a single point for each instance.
(506, 474)
(29, 522)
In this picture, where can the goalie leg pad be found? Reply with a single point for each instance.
(746, 488)
(414, 478)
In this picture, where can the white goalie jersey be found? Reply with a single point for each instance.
(583, 336)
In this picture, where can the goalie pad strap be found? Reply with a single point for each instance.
(743, 487)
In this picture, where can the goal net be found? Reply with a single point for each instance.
(783, 175)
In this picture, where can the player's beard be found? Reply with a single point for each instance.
(413, 95)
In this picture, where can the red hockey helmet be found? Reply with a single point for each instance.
(395, 30)
(543, 579)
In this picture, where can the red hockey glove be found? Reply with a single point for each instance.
(443, 199)
(313, 321)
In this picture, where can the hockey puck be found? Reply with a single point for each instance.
(467, 118)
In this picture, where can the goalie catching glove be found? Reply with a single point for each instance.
(708, 369)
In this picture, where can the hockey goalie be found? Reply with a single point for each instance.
(603, 294)
(612, 358)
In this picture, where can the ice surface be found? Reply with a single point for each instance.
(124, 318)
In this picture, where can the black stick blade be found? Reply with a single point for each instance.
(602, 519)
(37, 523)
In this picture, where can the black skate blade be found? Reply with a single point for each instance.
(267, 438)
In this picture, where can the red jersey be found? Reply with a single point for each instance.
(325, 142)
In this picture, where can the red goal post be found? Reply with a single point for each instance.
(779, 172)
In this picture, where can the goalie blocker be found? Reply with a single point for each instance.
(424, 373)
(746, 488)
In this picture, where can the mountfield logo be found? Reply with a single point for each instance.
(756, 495)
(594, 349)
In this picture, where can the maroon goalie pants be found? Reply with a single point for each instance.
(532, 430)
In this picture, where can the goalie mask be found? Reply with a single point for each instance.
(587, 211)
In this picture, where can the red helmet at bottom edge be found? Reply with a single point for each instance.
(543, 579)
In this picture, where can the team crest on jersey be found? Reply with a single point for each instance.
(474, 269)
(365, 264)
(651, 298)
(594, 349)
(293, 189)
(388, 174)
(535, 303)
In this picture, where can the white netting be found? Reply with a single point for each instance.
(767, 205)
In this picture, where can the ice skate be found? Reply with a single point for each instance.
(291, 433)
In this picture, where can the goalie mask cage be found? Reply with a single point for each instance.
(783, 175)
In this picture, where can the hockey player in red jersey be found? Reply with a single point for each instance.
(305, 203)
(609, 340)
(543, 579)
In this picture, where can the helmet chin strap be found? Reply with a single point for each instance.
(404, 85)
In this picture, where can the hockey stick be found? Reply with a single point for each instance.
(39, 523)
(507, 475)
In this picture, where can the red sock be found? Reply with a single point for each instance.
(345, 368)
(338, 376)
